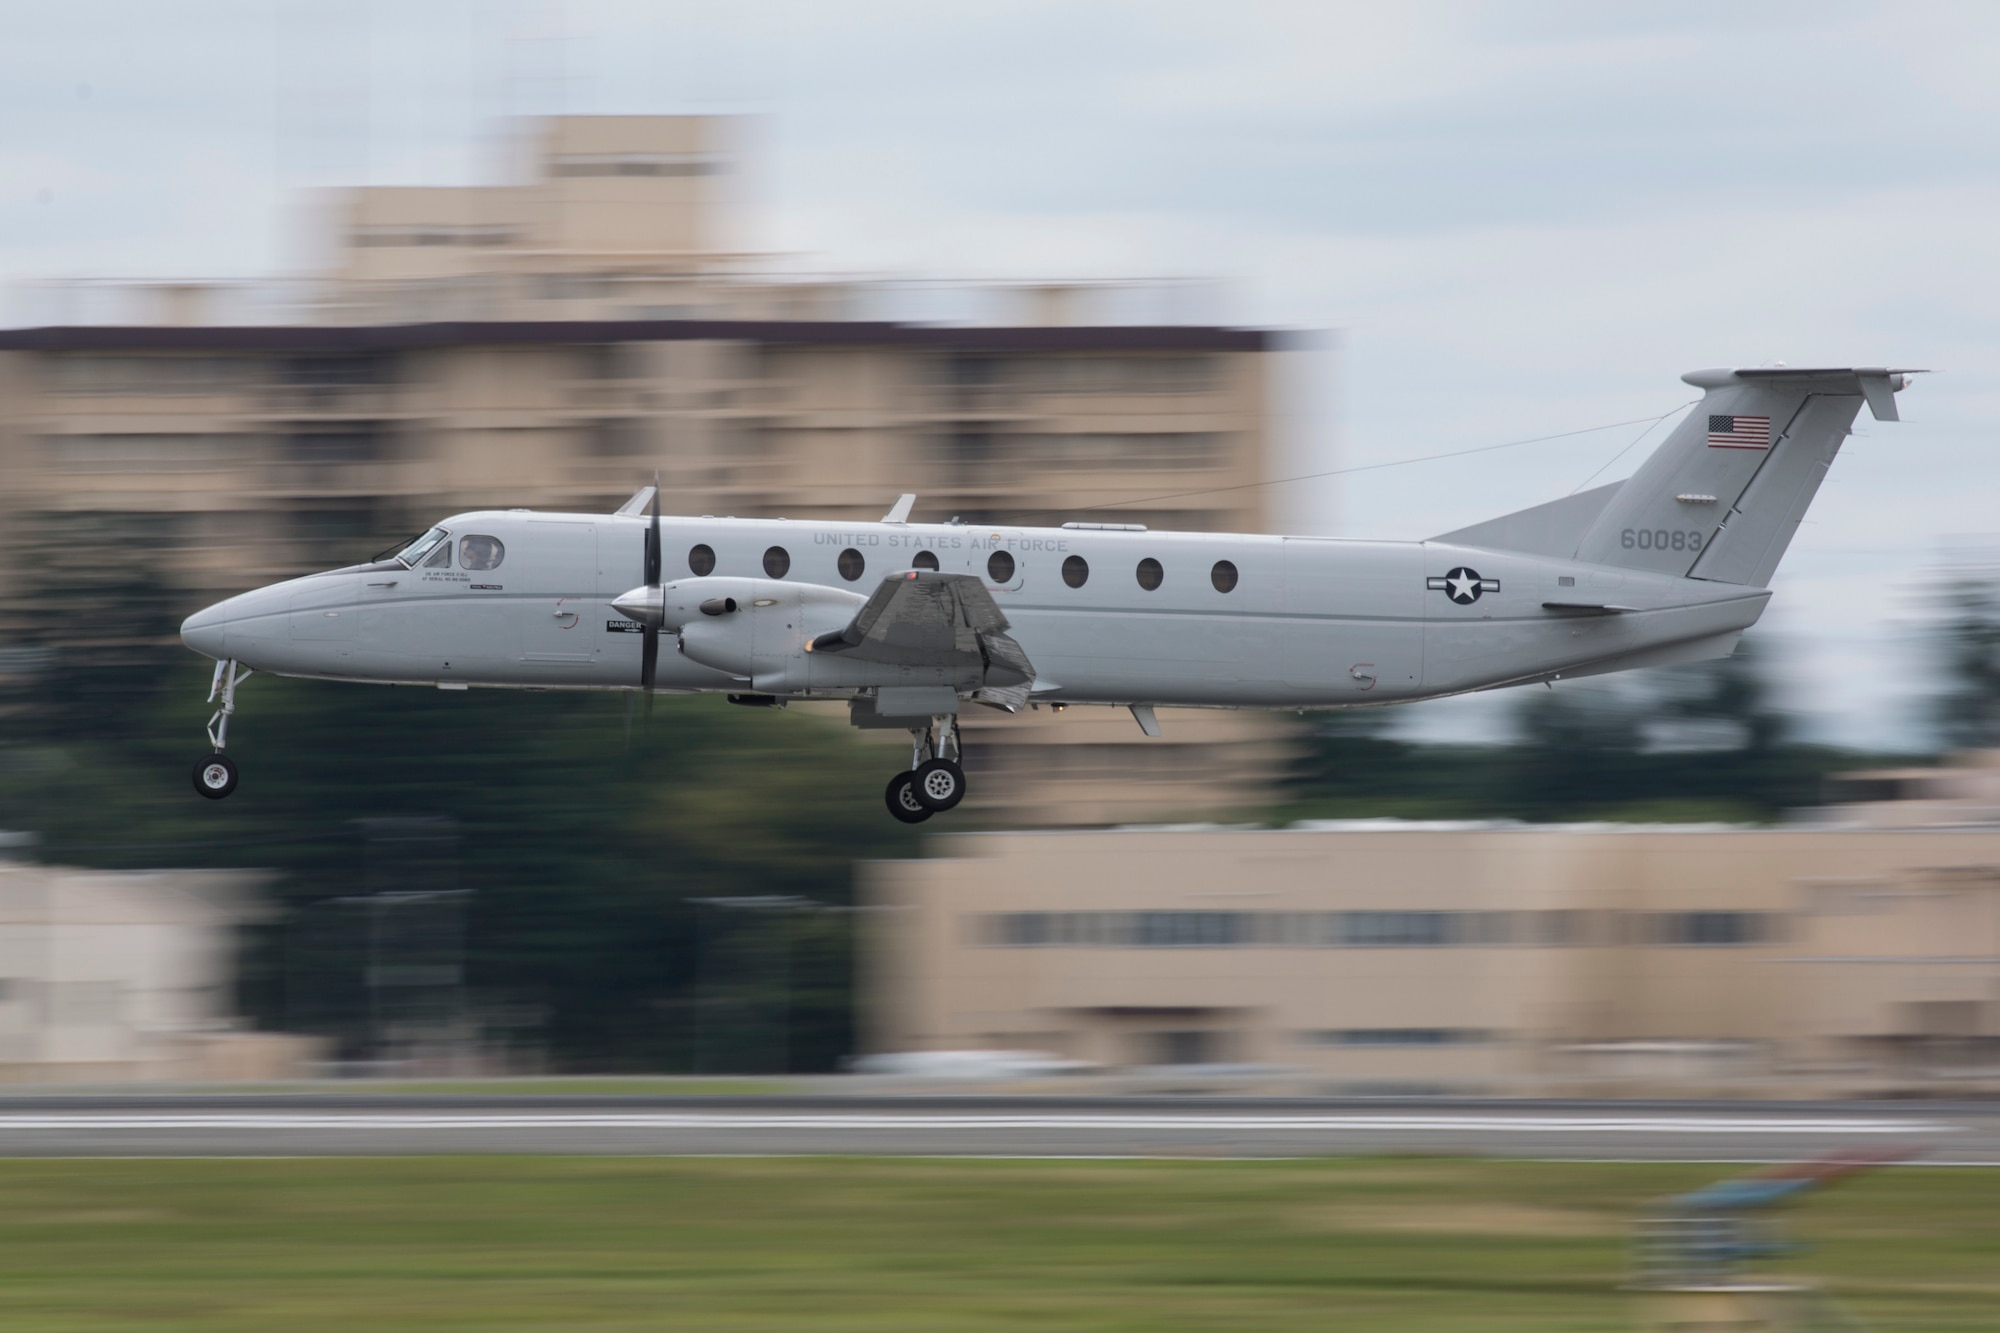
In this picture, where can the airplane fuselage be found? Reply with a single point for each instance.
(909, 620)
(1105, 616)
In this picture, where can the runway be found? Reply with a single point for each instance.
(293, 1126)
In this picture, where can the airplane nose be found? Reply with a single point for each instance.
(203, 632)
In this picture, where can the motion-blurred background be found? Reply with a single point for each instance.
(285, 283)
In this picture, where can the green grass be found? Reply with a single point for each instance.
(869, 1244)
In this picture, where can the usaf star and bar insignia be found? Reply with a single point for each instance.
(1463, 585)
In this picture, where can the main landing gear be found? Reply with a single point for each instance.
(215, 776)
(936, 780)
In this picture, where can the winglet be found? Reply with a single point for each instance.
(1143, 715)
(637, 504)
(900, 511)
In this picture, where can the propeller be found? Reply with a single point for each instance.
(646, 604)
(649, 661)
(649, 653)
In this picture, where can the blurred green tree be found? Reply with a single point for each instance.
(1703, 741)
(95, 620)
(579, 847)
(579, 852)
(1967, 711)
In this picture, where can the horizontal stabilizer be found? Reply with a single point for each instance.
(1877, 384)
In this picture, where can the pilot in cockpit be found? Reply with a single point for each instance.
(476, 552)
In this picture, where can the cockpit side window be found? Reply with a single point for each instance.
(440, 558)
(478, 552)
(414, 553)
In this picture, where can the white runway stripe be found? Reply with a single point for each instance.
(1485, 1124)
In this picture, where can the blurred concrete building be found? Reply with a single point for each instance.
(1391, 957)
(1962, 792)
(616, 217)
(127, 976)
(552, 342)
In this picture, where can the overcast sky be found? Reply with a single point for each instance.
(1517, 218)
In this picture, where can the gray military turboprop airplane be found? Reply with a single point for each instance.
(1670, 565)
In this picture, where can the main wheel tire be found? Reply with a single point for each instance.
(215, 776)
(940, 784)
(902, 799)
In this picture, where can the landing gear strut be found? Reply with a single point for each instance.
(215, 776)
(936, 780)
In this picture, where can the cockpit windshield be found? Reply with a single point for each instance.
(421, 547)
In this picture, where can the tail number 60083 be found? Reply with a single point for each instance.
(1660, 539)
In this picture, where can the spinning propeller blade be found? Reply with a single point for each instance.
(649, 653)
(653, 538)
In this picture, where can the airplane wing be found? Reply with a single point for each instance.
(926, 618)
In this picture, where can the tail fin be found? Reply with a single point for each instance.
(1722, 497)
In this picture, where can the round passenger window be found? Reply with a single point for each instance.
(1150, 573)
(1000, 567)
(777, 561)
(701, 561)
(924, 560)
(851, 564)
(1223, 576)
(1076, 571)
(476, 552)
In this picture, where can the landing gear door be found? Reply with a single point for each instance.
(562, 608)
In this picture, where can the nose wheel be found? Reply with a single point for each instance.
(215, 776)
(935, 781)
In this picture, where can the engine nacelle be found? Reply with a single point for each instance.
(760, 629)
(752, 627)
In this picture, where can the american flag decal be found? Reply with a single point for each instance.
(1739, 432)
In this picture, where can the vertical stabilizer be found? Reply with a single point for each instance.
(1721, 498)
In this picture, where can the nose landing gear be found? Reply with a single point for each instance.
(936, 780)
(215, 776)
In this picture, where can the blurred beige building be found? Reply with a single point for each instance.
(1391, 957)
(552, 343)
(616, 212)
(111, 977)
(1963, 792)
